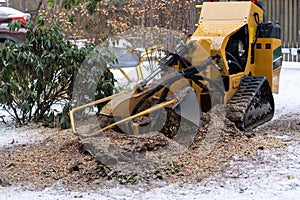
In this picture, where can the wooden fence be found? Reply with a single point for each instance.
(287, 12)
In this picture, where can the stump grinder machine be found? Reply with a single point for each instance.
(233, 58)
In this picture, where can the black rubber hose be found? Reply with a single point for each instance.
(197, 68)
(141, 102)
(256, 18)
(257, 21)
(200, 84)
(184, 63)
(153, 91)
(213, 82)
(164, 95)
(236, 64)
(186, 73)
(234, 58)
(194, 78)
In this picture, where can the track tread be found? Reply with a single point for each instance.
(253, 91)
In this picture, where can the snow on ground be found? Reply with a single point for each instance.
(11, 135)
(288, 99)
(276, 176)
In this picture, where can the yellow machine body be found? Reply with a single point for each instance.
(221, 20)
(232, 31)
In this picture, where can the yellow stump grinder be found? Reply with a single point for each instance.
(233, 58)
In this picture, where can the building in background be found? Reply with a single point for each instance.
(287, 12)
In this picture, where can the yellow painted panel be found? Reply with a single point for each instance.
(276, 78)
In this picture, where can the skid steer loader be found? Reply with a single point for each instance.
(233, 58)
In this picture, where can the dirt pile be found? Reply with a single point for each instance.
(61, 159)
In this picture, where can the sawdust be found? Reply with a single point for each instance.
(59, 158)
(62, 158)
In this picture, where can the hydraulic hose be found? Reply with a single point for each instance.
(185, 73)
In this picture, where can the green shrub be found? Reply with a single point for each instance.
(39, 73)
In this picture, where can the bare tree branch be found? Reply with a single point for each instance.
(37, 10)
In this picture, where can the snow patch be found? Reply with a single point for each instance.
(288, 99)
(10, 135)
(275, 175)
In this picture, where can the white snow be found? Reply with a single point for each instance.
(288, 99)
(11, 135)
(276, 175)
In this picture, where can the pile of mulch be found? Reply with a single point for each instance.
(63, 160)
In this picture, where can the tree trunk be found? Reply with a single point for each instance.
(37, 11)
(22, 5)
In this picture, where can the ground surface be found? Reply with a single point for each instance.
(43, 163)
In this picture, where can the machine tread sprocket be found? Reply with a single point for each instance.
(253, 104)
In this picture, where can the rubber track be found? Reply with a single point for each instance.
(254, 95)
